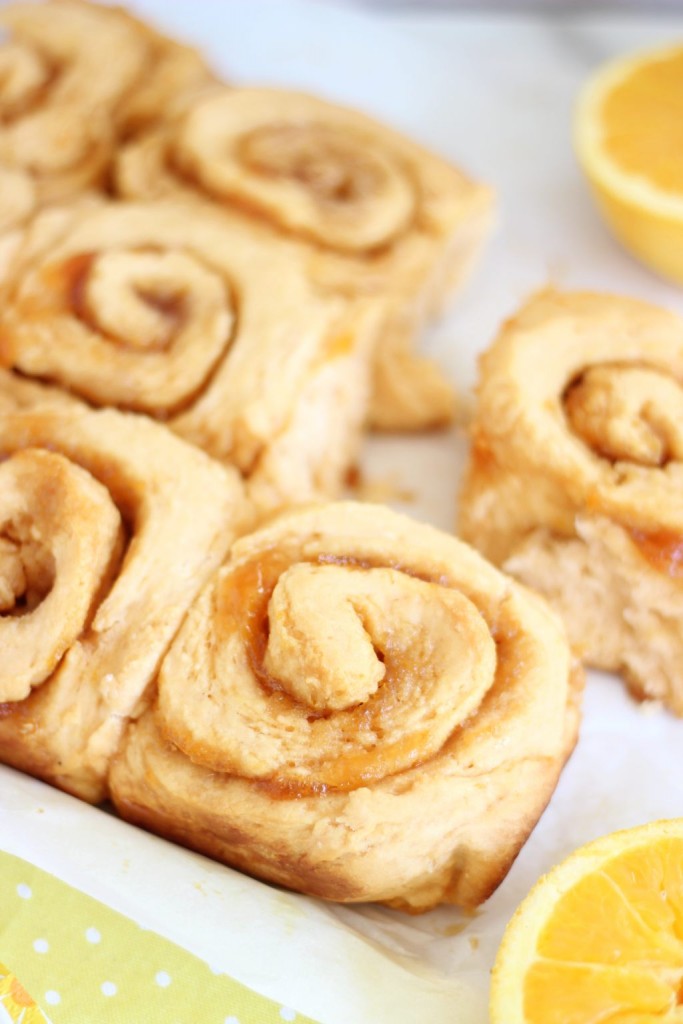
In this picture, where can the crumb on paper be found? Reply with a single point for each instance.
(474, 943)
(455, 929)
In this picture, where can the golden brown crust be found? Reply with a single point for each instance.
(64, 89)
(77, 76)
(375, 213)
(82, 643)
(575, 475)
(203, 324)
(357, 707)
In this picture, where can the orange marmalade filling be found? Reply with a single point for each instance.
(74, 277)
(70, 280)
(242, 608)
(663, 549)
(339, 346)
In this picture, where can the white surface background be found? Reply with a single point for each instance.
(495, 94)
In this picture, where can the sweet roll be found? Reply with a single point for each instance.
(576, 476)
(163, 309)
(373, 212)
(75, 77)
(357, 707)
(109, 526)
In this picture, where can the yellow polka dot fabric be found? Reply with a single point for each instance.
(66, 958)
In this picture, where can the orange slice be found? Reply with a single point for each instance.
(629, 140)
(16, 1005)
(599, 940)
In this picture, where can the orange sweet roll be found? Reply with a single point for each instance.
(109, 526)
(60, 85)
(373, 213)
(161, 308)
(74, 76)
(574, 483)
(357, 707)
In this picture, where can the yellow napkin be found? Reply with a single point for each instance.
(72, 960)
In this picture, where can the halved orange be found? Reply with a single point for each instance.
(599, 940)
(629, 140)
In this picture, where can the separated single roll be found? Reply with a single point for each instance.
(373, 213)
(163, 309)
(357, 707)
(75, 76)
(109, 526)
(575, 478)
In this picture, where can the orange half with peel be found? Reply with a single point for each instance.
(599, 940)
(629, 141)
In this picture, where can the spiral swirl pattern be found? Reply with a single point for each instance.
(576, 474)
(354, 669)
(91, 590)
(375, 213)
(344, 707)
(73, 77)
(601, 427)
(59, 84)
(163, 309)
(139, 329)
(50, 576)
(311, 173)
(629, 414)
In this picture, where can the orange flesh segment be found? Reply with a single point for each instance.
(557, 993)
(612, 951)
(642, 119)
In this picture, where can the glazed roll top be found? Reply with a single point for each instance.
(74, 77)
(303, 164)
(325, 173)
(353, 695)
(59, 88)
(127, 318)
(109, 525)
(581, 398)
(376, 213)
(162, 309)
(308, 706)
